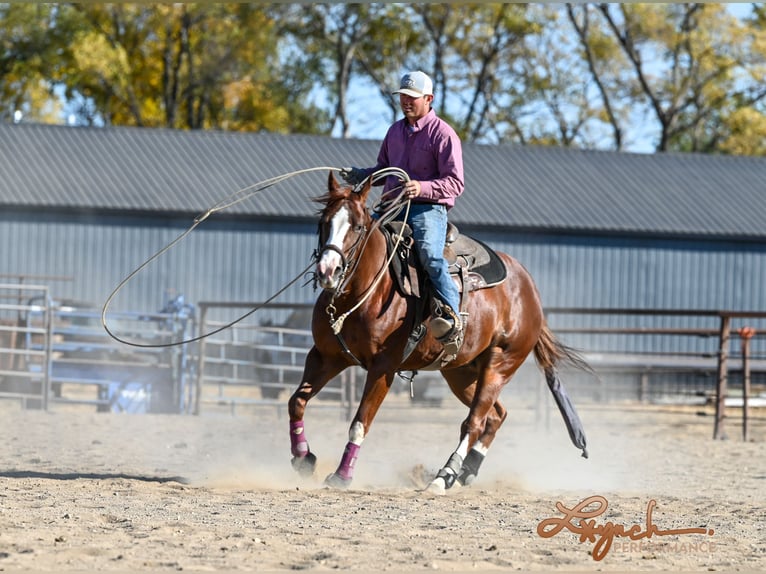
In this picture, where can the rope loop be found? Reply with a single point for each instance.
(235, 198)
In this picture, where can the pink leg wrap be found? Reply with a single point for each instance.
(299, 446)
(346, 468)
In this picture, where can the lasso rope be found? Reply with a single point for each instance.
(233, 199)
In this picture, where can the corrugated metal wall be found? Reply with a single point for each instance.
(228, 261)
(239, 261)
(602, 272)
(643, 273)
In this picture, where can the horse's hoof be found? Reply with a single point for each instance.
(305, 465)
(335, 481)
(465, 479)
(438, 487)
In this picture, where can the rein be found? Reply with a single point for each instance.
(229, 201)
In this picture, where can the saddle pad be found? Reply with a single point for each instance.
(478, 257)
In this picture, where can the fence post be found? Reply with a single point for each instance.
(745, 333)
(720, 391)
(200, 360)
(47, 370)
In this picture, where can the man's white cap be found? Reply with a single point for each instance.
(416, 85)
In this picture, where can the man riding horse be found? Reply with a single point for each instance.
(430, 152)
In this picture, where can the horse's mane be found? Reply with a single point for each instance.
(331, 197)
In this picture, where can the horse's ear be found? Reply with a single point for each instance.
(332, 183)
(365, 191)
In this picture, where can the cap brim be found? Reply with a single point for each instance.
(411, 93)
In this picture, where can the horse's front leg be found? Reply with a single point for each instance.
(317, 371)
(375, 390)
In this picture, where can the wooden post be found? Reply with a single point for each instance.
(720, 391)
(644, 388)
(745, 333)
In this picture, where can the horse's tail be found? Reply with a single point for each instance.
(549, 353)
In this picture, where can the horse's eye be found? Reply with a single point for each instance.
(359, 228)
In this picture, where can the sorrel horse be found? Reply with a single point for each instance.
(505, 323)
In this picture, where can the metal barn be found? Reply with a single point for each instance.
(84, 207)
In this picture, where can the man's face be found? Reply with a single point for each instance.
(414, 108)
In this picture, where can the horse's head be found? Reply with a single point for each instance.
(343, 223)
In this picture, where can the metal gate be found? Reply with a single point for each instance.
(54, 352)
(258, 365)
(25, 350)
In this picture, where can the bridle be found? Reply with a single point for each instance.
(346, 258)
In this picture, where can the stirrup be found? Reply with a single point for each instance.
(449, 333)
(441, 328)
(452, 344)
(445, 323)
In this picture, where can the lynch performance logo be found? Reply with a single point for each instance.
(580, 519)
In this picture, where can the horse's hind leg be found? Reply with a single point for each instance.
(472, 461)
(463, 465)
(478, 430)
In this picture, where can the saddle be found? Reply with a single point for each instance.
(472, 264)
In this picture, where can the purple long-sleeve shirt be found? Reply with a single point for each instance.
(430, 152)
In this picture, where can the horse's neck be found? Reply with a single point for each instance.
(371, 263)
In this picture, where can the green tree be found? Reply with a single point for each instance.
(30, 36)
(344, 43)
(593, 75)
(192, 66)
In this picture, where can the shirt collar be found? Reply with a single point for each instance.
(421, 123)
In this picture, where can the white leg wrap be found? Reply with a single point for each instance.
(356, 433)
(462, 448)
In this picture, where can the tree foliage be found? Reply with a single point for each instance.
(686, 76)
(169, 65)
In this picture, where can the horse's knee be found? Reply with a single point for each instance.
(296, 404)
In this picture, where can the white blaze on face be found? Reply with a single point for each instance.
(328, 268)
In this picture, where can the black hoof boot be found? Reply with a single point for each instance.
(305, 465)
(333, 480)
(470, 468)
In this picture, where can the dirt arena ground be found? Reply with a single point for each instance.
(86, 491)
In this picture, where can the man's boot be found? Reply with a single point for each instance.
(447, 328)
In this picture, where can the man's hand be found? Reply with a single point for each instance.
(353, 175)
(411, 189)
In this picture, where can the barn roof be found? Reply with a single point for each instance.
(518, 188)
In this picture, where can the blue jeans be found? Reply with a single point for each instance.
(429, 229)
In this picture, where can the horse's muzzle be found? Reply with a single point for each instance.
(328, 271)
